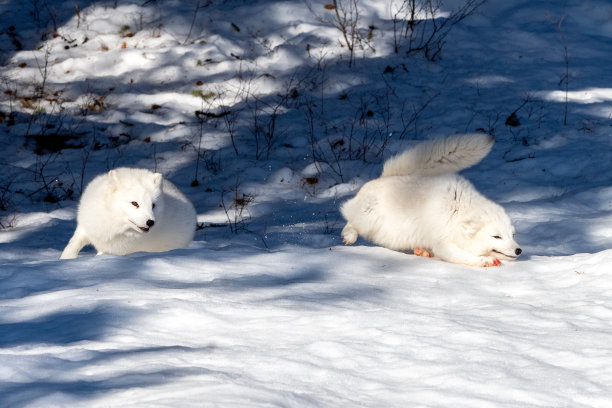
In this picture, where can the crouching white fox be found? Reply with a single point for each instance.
(129, 210)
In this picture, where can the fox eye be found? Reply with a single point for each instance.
(497, 237)
(135, 204)
(153, 206)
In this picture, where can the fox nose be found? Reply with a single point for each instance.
(517, 251)
(150, 223)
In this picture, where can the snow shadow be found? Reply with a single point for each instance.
(303, 283)
(24, 25)
(61, 328)
(262, 281)
(261, 275)
(23, 394)
(355, 294)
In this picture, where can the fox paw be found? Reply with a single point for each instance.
(349, 234)
(423, 252)
(491, 262)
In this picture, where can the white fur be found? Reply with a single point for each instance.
(116, 215)
(419, 204)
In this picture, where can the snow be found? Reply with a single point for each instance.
(267, 307)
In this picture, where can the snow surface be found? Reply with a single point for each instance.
(267, 307)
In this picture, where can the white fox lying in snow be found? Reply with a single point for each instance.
(420, 204)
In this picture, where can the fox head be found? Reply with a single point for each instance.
(490, 234)
(136, 196)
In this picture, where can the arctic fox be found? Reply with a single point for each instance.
(419, 204)
(129, 210)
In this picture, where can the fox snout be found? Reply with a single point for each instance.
(150, 223)
(518, 251)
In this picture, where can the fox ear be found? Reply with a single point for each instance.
(471, 226)
(157, 178)
(114, 178)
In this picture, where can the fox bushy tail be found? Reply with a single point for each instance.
(440, 156)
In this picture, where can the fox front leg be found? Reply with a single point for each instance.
(76, 243)
(452, 253)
